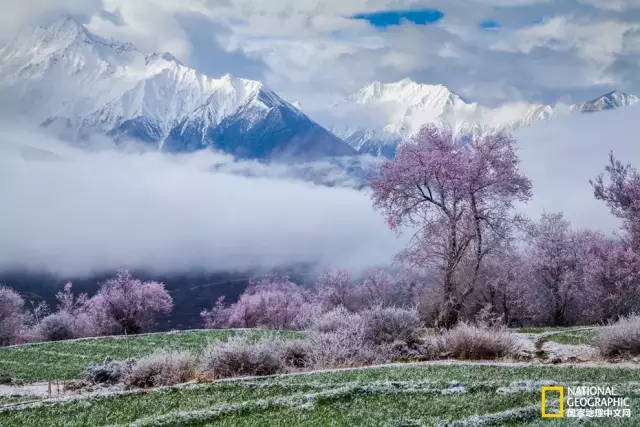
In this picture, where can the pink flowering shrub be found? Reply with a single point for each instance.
(217, 317)
(620, 190)
(79, 310)
(378, 289)
(335, 288)
(125, 305)
(13, 316)
(273, 303)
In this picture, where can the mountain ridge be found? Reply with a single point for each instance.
(80, 84)
(77, 83)
(400, 109)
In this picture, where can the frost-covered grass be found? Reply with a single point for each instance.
(9, 400)
(409, 395)
(574, 337)
(544, 329)
(69, 359)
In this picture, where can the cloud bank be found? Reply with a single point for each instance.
(75, 212)
(561, 156)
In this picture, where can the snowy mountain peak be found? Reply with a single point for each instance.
(77, 83)
(379, 116)
(611, 100)
(405, 91)
(65, 28)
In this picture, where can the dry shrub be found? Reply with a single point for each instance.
(337, 319)
(386, 325)
(344, 347)
(620, 338)
(297, 353)
(163, 367)
(108, 373)
(467, 341)
(239, 356)
(339, 338)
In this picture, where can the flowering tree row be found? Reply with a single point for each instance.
(122, 305)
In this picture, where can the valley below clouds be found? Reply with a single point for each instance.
(73, 211)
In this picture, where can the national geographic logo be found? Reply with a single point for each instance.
(584, 402)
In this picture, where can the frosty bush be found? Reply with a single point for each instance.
(108, 373)
(387, 325)
(334, 320)
(239, 356)
(345, 345)
(297, 353)
(620, 338)
(467, 341)
(164, 367)
(56, 327)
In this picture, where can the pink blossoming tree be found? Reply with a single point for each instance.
(459, 200)
(13, 316)
(125, 304)
(621, 192)
(273, 302)
(335, 288)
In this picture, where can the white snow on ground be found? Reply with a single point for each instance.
(39, 389)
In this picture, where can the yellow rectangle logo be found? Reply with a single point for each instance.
(560, 390)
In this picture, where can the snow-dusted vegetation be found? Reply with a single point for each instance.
(379, 396)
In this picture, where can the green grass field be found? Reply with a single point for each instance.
(574, 337)
(410, 395)
(68, 359)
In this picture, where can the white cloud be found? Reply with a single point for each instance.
(561, 156)
(76, 212)
(16, 15)
(313, 52)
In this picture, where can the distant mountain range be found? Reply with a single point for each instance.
(398, 110)
(76, 84)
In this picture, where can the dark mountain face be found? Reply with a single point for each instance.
(253, 132)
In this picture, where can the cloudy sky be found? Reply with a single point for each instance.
(315, 51)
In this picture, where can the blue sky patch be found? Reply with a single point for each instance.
(489, 25)
(394, 17)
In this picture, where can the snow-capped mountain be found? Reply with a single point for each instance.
(378, 117)
(75, 82)
(608, 101)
